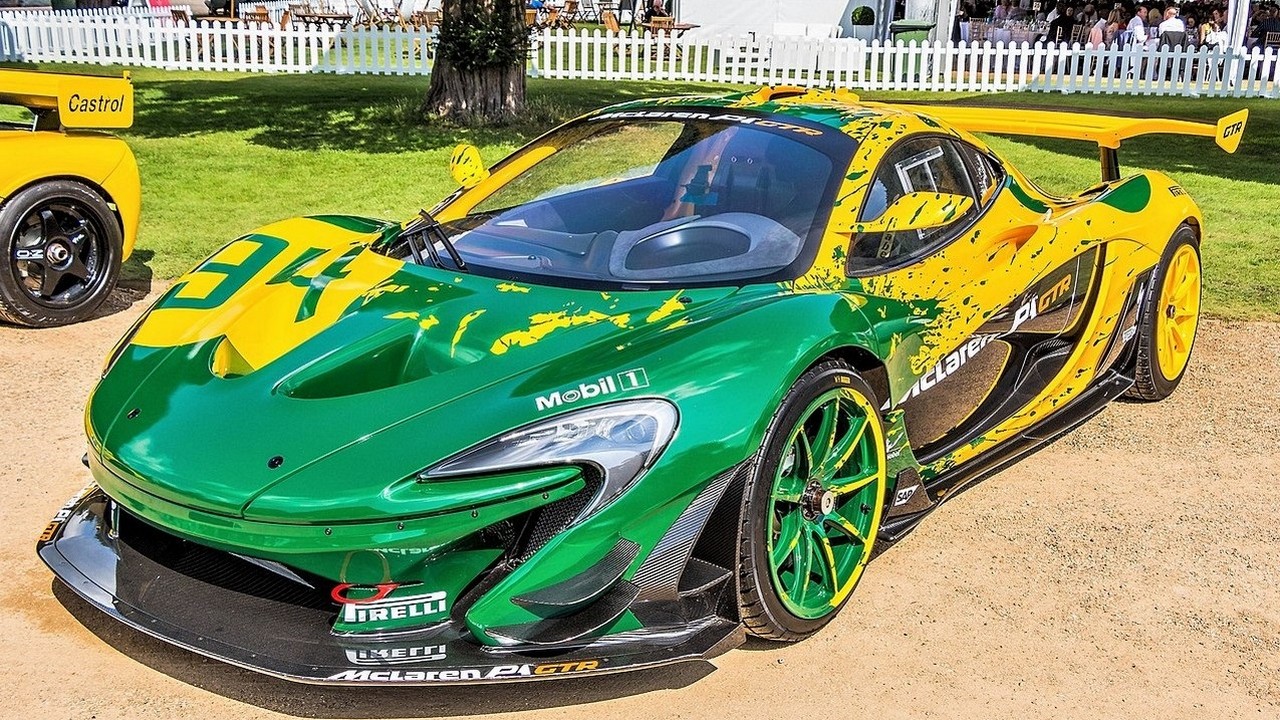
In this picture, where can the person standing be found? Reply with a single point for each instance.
(1137, 27)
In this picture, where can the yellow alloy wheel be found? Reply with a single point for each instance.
(1179, 312)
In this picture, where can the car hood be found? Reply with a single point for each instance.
(311, 391)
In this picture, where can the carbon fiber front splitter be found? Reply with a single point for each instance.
(280, 628)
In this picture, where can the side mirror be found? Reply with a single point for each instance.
(917, 211)
(466, 167)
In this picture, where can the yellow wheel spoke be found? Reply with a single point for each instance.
(844, 486)
(828, 564)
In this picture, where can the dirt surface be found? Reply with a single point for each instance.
(1131, 569)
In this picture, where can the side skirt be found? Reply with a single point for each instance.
(1089, 403)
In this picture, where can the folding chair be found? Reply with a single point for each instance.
(570, 14)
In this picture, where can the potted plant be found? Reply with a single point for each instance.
(863, 20)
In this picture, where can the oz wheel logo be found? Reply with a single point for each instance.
(37, 254)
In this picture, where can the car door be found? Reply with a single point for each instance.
(967, 285)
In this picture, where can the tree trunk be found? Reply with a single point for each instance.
(479, 71)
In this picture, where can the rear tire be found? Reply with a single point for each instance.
(812, 505)
(1168, 319)
(60, 254)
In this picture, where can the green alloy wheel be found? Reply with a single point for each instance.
(813, 506)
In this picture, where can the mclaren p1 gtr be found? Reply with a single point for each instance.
(661, 378)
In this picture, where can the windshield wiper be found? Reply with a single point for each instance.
(427, 225)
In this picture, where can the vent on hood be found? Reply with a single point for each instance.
(360, 369)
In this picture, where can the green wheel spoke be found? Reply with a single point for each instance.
(802, 567)
(843, 448)
(788, 539)
(846, 527)
(827, 557)
(789, 483)
(805, 453)
(825, 438)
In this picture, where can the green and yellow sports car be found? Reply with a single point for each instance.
(69, 195)
(659, 379)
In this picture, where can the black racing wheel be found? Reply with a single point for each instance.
(62, 250)
(812, 505)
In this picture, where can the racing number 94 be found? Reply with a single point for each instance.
(234, 275)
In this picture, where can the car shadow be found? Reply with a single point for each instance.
(135, 283)
(318, 701)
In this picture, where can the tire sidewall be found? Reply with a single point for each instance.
(15, 301)
(1184, 235)
(818, 380)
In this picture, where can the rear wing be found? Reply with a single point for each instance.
(61, 100)
(1105, 130)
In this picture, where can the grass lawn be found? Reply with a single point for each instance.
(222, 153)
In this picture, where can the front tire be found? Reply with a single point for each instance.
(62, 248)
(1169, 318)
(812, 505)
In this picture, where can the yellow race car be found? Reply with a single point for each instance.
(70, 196)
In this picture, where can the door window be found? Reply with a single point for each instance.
(922, 164)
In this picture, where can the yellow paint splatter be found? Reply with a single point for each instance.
(679, 323)
(512, 287)
(543, 324)
(428, 322)
(667, 308)
(462, 328)
(380, 290)
(402, 315)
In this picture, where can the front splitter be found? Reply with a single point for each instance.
(285, 632)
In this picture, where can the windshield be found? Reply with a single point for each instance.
(636, 202)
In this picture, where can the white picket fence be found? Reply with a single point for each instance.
(158, 41)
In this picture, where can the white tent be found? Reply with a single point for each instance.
(764, 16)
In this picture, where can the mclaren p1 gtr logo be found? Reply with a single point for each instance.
(497, 672)
(948, 365)
(608, 385)
(713, 117)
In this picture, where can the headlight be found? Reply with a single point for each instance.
(621, 440)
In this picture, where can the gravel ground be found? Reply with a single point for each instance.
(1130, 568)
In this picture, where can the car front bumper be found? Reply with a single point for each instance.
(241, 612)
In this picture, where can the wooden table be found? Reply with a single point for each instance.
(678, 28)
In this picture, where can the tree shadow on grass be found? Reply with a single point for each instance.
(369, 114)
